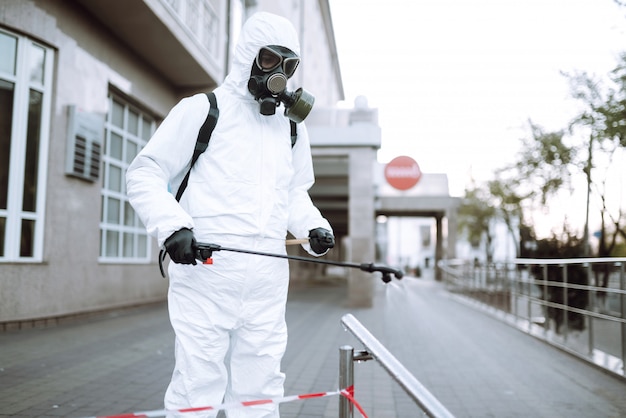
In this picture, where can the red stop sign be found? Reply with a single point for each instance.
(402, 173)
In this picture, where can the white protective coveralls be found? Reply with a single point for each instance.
(245, 191)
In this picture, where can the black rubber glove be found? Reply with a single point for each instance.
(321, 240)
(180, 246)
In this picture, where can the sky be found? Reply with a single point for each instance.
(456, 81)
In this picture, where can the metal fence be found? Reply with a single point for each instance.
(578, 305)
(375, 350)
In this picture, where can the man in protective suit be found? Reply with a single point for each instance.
(247, 190)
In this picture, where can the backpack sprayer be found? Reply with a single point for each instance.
(298, 105)
(204, 252)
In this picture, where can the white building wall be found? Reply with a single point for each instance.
(89, 61)
(316, 73)
(70, 279)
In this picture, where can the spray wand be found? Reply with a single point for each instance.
(204, 252)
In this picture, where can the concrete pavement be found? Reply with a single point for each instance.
(474, 364)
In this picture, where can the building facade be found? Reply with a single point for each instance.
(83, 85)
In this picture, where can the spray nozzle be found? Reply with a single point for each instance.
(385, 270)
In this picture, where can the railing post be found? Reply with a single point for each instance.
(346, 379)
(546, 324)
(413, 387)
(517, 279)
(565, 303)
(591, 306)
(529, 305)
(622, 286)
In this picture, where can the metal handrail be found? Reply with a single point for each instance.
(504, 287)
(420, 395)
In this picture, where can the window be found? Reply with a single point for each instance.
(25, 91)
(200, 20)
(123, 238)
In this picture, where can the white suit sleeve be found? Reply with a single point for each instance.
(164, 161)
(303, 215)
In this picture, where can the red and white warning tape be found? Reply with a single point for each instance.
(348, 393)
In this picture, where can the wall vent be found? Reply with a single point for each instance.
(85, 135)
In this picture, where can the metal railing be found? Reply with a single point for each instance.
(375, 350)
(578, 305)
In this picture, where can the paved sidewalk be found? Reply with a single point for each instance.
(474, 364)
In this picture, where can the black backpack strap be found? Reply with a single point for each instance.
(204, 135)
(294, 133)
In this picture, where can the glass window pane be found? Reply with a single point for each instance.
(115, 146)
(142, 246)
(133, 122)
(129, 214)
(125, 128)
(8, 52)
(117, 114)
(27, 240)
(31, 166)
(131, 151)
(115, 178)
(104, 175)
(3, 224)
(146, 129)
(112, 243)
(6, 110)
(23, 67)
(128, 245)
(36, 61)
(113, 211)
(102, 247)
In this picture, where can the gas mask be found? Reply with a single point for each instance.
(271, 69)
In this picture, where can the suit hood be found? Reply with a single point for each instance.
(260, 29)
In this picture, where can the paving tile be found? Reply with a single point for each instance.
(474, 364)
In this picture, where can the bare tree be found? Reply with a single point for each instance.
(604, 119)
